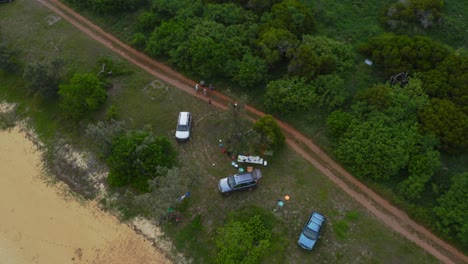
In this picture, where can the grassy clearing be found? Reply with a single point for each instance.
(140, 104)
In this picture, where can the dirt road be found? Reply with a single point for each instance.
(381, 208)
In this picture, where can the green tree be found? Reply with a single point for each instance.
(330, 90)
(289, 95)
(270, 132)
(274, 43)
(250, 71)
(146, 22)
(421, 167)
(449, 79)
(82, 95)
(243, 242)
(378, 96)
(292, 15)
(9, 58)
(395, 54)
(136, 158)
(43, 77)
(404, 13)
(377, 148)
(452, 208)
(447, 121)
(228, 14)
(103, 135)
(320, 55)
(164, 190)
(338, 122)
(167, 37)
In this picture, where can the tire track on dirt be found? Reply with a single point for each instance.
(395, 218)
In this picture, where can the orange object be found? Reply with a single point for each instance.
(249, 169)
(286, 197)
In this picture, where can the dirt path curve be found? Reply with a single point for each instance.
(381, 208)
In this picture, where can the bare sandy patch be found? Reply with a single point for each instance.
(37, 225)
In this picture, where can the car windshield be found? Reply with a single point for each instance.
(310, 233)
(231, 182)
(182, 127)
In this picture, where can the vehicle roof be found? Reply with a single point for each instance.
(240, 178)
(183, 118)
(316, 220)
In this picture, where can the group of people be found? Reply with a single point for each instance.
(202, 84)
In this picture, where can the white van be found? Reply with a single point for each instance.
(184, 124)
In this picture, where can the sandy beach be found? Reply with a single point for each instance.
(39, 223)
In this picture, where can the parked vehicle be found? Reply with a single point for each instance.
(184, 125)
(5, 1)
(239, 182)
(311, 231)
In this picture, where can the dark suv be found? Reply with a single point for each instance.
(239, 182)
(5, 1)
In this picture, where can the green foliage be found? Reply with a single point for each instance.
(289, 95)
(331, 90)
(380, 141)
(395, 54)
(146, 22)
(136, 158)
(291, 15)
(139, 40)
(111, 113)
(270, 132)
(228, 14)
(274, 43)
(448, 122)
(341, 229)
(404, 13)
(421, 167)
(248, 72)
(320, 55)
(243, 242)
(338, 122)
(103, 134)
(164, 188)
(378, 96)
(9, 58)
(449, 79)
(82, 95)
(43, 77)
(452, 208)
(167, 37)
(375, 148)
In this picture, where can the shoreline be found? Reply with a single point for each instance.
(39, 224)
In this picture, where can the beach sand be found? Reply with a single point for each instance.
(39, 223)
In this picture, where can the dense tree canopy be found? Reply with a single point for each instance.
(452, 209)
(164, 190)
(270, 132)
(9, 58)
(404, 13)
(43, 77)
(136, 157)
(395, 54)
(289, 95)
(447, 121)
(291, 15)
(243, 242)
(82, 95)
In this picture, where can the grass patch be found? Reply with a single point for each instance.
(341, 229)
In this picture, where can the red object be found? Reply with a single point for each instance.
(223, 150)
